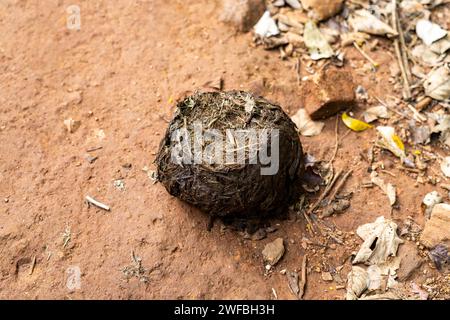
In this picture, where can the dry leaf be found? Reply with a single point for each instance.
(387, 188)
(354, 124)
(305, 125)
(316, 42)
(420, 134)
(364, 21)
(440, 47)
(430, 200)
(360, 38)
(294, 4)
(426, 55)
(390, 141)
(357, 283)
(380, 241)
(441, 126)
(437, 84)
(375, 113)
(266, 26)
(445, 166)
(429, 32)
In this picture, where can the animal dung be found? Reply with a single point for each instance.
(231, 154)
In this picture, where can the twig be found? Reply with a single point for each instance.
(423, 103)
(93, 149)
(409, 169)
(310, 223)
(403, 47)
(33, 264)
(389, 173)
(67, 236)
(417, 115)
(340, 184)
(324, 193)
(297, 70)
(336, 146)
(274, 294)
(392, 109)
(96, 203)
(302, 285)
(365, 55)
(406, 87)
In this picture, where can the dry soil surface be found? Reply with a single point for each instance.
(118, 77)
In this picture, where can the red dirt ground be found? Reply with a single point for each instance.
(121, 74)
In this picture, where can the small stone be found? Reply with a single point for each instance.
(440, 256)
(119, 184)
(328, 92)
(321, 10)
(127, 165)
(71, 125)
(242, 14)
(73, 98)
(326, 276)
(90, 158)
(273, 251)
(410, 261)
(437, 228)
(337, 206)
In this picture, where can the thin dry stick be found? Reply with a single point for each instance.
(303, 279)
(416, 113)
(336, 146)
(389, 173)
(365, 55)
(310, 223)
(392, 109)
(423, 103)
(340, 184)
(403, 47)
(33, 264)
(297, 70)
(325, 193)
(407, 89)
(96, 203)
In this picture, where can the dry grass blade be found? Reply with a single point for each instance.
(324, 193)
(398, 52)
(97, 203)
(340, 184)
(303, 279)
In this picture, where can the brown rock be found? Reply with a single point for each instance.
(326, 276)
(273, 251)
(410, 260)
(242, 14)
(437, 228)
(328, 92)
(321, 9)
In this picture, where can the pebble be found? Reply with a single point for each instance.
(273, 251)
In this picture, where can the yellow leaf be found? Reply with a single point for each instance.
(354, 124)
(389, 140)
(398, 142)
